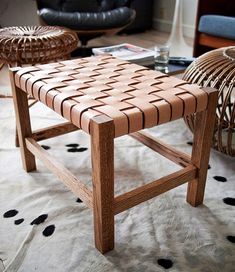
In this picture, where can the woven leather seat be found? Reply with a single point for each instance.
(107, 98)
(133, 96)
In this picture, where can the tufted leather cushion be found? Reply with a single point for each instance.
(84, 21)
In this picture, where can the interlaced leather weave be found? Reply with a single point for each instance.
(134, 96)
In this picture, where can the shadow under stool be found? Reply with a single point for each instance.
(108, 98)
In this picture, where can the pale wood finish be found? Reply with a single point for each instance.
(204, 125)
(75, 185)
(165, 150)
(153, 189)
(102, 152)
(22, 123)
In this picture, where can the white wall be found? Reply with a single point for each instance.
(164, 11)
(18, 12)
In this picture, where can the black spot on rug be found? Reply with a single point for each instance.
(40, 219)
(78, 200)
(229, 201)
(19, 221)
(72, 145)
(220, 178)
(46, 147)
(166, 263)
(49, 230)
(231, 238)
(81, 149)
(10, 213)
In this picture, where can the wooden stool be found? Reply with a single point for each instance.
(35, 44)
(108, 98)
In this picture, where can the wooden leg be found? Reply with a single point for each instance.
(17, 144)
(204, 128)
(102, 152)
(23, 124)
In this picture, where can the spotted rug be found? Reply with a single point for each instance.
(44, 227)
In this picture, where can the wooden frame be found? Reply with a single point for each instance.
(102, 200)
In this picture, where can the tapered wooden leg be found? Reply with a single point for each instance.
(102, 151)
(23, 124)
(204, 128)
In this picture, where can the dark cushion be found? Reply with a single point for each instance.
(216, 25)
(53, 4)
(80, 6)
(118, 17)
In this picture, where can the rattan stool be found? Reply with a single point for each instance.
(108, 98)
(35, 44)
(217, 69)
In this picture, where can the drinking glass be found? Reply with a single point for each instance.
(161, 57)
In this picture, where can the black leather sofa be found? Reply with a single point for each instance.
(89, 18)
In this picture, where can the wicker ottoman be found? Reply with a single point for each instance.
(217, 69)
(35, 44)
(108, 98)
(21, 46)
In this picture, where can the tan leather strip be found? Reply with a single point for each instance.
(150, 113)
(85, 119)
(120, 119)
(22, 71)
(200, 95)
(46, 88)
(61, 97)
(79, 108)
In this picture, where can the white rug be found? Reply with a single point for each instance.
(164, 232)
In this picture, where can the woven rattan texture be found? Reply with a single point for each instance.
(35, 44)
(133, 96)
(217, 69)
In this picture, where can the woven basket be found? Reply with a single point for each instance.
(217, 69)
(35, 44)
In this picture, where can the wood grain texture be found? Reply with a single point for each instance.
(53, 131)
(153, 189)
(214, 42)
(102, 153)
(204, 127)
(75, 185)
(22, 123)
(165, 150)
